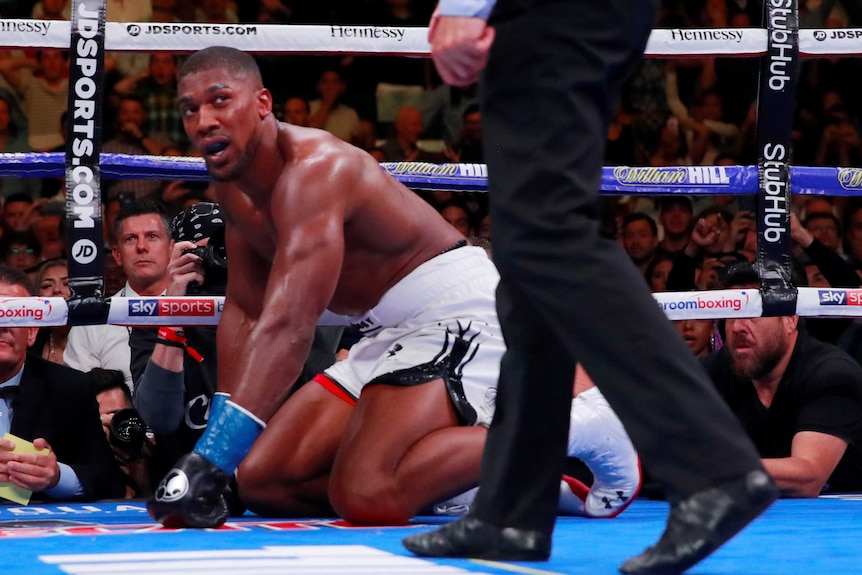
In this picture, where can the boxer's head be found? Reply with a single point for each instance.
(223, 105)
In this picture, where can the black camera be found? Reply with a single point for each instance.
(214, 256)
(128, 431)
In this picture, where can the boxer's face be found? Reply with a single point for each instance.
(222, 115)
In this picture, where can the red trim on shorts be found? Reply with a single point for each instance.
(333, 388)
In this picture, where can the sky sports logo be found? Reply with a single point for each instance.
(186, 307)
(840, 297)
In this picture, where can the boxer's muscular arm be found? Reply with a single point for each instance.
(248, 274)
(268, 323)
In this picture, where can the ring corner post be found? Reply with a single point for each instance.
(779, 75)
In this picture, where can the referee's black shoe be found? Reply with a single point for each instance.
(472, 537)
(702, 522)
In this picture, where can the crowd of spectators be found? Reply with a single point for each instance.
(690, 112)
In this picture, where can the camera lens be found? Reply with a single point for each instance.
(128, 431)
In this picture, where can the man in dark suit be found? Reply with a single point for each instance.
(568, 295)
(54, 407)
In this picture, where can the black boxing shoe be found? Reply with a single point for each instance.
(192, 494)
(700, 523)
(471, 537)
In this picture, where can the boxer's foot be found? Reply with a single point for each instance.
(597, 437)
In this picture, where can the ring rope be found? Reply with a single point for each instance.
(392, 40)
(690, 180)
(206, 310)
(382, 40)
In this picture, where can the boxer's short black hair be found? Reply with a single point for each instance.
(221, 57)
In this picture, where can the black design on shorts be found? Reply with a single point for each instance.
(395, 349)
(457, 351)
(367, 327)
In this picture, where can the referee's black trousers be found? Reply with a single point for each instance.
(566, 294)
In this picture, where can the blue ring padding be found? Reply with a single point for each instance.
(698, 180)
(113, 166)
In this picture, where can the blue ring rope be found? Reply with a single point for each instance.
(623, 180)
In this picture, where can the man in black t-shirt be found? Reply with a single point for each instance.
(799, 399)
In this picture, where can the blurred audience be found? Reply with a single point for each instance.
(404, 145)
(329, 111)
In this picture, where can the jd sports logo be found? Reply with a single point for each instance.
(133, 30)
(84, 251)
(821, 35)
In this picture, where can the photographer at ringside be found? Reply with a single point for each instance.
(174, 369)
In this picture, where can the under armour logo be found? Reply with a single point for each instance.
(394, 350)
(620, 498)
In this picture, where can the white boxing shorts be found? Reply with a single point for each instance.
(438, 322)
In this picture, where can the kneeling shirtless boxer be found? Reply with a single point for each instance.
(313, 224)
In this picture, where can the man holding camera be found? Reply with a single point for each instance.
(126, 431)
(174, 369)
(55, 408)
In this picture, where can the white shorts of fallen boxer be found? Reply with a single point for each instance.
(438, 322)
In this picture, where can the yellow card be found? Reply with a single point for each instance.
(12, 492)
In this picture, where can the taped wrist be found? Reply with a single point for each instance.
(230, 433)
(171, 337)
